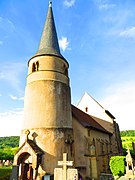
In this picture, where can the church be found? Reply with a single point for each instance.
(52, 126)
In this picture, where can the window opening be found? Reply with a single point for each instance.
(37, 66)
(86, 109)
(33, 67)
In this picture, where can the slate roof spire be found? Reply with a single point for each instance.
(49, 41)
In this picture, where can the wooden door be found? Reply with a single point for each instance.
(24, 171)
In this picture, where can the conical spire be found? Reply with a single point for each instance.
(49, 41)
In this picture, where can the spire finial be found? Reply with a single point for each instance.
(27, 132)
(50, 3)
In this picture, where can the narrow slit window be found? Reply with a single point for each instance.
(86, 109)
(33, 67)
(37, 66)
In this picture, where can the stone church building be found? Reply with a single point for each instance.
(52, 126)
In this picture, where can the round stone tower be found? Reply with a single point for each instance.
(47, 103)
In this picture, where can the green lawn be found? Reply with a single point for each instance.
(5, 172)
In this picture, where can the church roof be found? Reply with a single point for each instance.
(35, 148)
(49, 41)
(106, 124)
(87, 121)
(32, 145)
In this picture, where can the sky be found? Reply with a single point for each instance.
(97, 37)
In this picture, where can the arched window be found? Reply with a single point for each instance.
(33, 67)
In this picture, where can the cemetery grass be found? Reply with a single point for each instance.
(5, 172)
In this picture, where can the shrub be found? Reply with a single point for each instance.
(117, 165)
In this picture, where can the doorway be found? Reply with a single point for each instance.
(25, 167)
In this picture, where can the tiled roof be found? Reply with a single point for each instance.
(35, 148)
(106, 124)
(87, 121)
(33, 145)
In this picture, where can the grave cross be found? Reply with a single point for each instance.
(65, 163)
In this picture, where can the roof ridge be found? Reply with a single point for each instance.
(86, 121)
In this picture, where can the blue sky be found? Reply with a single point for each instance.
(97, 37)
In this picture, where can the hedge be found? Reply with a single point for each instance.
(117, 165)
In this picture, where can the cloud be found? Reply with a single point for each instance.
(16, 98)
(120, 101)
(6, 24)
(104, 4)
(63, 43)
(11, 123)
(69, 3)
(129, 32)
(123, 33)
(7, 28)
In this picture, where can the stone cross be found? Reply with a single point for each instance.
(65, 163)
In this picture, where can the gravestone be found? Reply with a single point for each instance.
(3, 161)
(15, 173)
(1, 164)
(72, 174)
(65, 173)
(11, 162)
(7, 163)
(58, 173)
